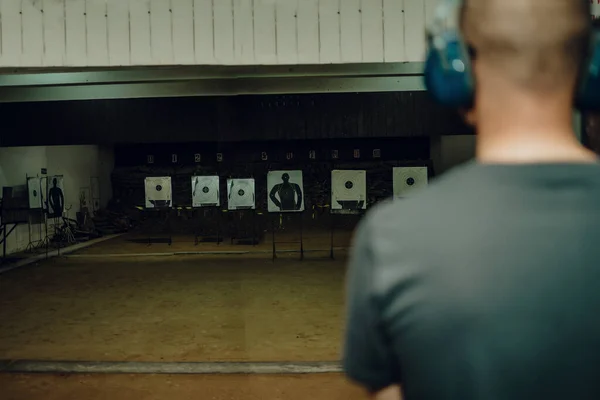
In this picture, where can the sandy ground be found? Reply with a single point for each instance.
(177, 308)
(175, 387)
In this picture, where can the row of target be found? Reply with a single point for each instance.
(284, 190)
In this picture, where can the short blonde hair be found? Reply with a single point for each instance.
(537, 44)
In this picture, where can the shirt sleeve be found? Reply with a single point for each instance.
(367, 359)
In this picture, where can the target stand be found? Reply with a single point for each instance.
(157, 210)
(348, 197)
(160, 219)
(335, 214)
(240, 233)
(206, 198)
(208, 237)
(5, 234)
(35, 219)
(278, 219)
(37, 215)
(241, 206)
(14, 210)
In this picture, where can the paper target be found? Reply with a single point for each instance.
(348, 190)
(285, 191)
(205, 191)
(34, 187)
(158, 192)
(44, 192)
(241, 194)
(408, 179)
(56, 196)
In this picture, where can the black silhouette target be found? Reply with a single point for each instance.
(285, 191)
(56, 197)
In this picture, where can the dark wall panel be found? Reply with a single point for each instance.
(227, 119)
(244, 161)
(283, 151)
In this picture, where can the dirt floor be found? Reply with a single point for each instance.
(176, 387)
(176, 308)
(100, 304)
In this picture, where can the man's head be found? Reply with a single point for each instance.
(526, 50)
(285, 178)
(54, 182)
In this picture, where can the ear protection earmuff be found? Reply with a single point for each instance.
(448, 74)
(588, 96)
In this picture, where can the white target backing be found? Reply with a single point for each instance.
(241, 194)
(158, 192)
(408, 179)
(205, 191)
(348, 190)
(34, 187)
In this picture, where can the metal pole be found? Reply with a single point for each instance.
(60, 242)
(4, 241)
(29, 230)
(47, 216)
(332, 229)
(254, 235)
(301, 237)
(218, 226)
(169, 227)
(273, 233)
(40, 224)
(196, 228)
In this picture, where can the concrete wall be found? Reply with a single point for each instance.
(37, 33)
(78, 164)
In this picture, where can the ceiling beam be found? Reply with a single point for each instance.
(204, 81)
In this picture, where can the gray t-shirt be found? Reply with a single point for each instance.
(484, 286)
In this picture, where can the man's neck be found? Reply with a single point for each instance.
(525, 132)
(523, 149)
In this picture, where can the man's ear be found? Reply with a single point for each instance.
(468, 115)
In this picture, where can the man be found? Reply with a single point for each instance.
(487, 284)
(290, 195)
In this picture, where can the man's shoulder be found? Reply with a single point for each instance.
(440, 195)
